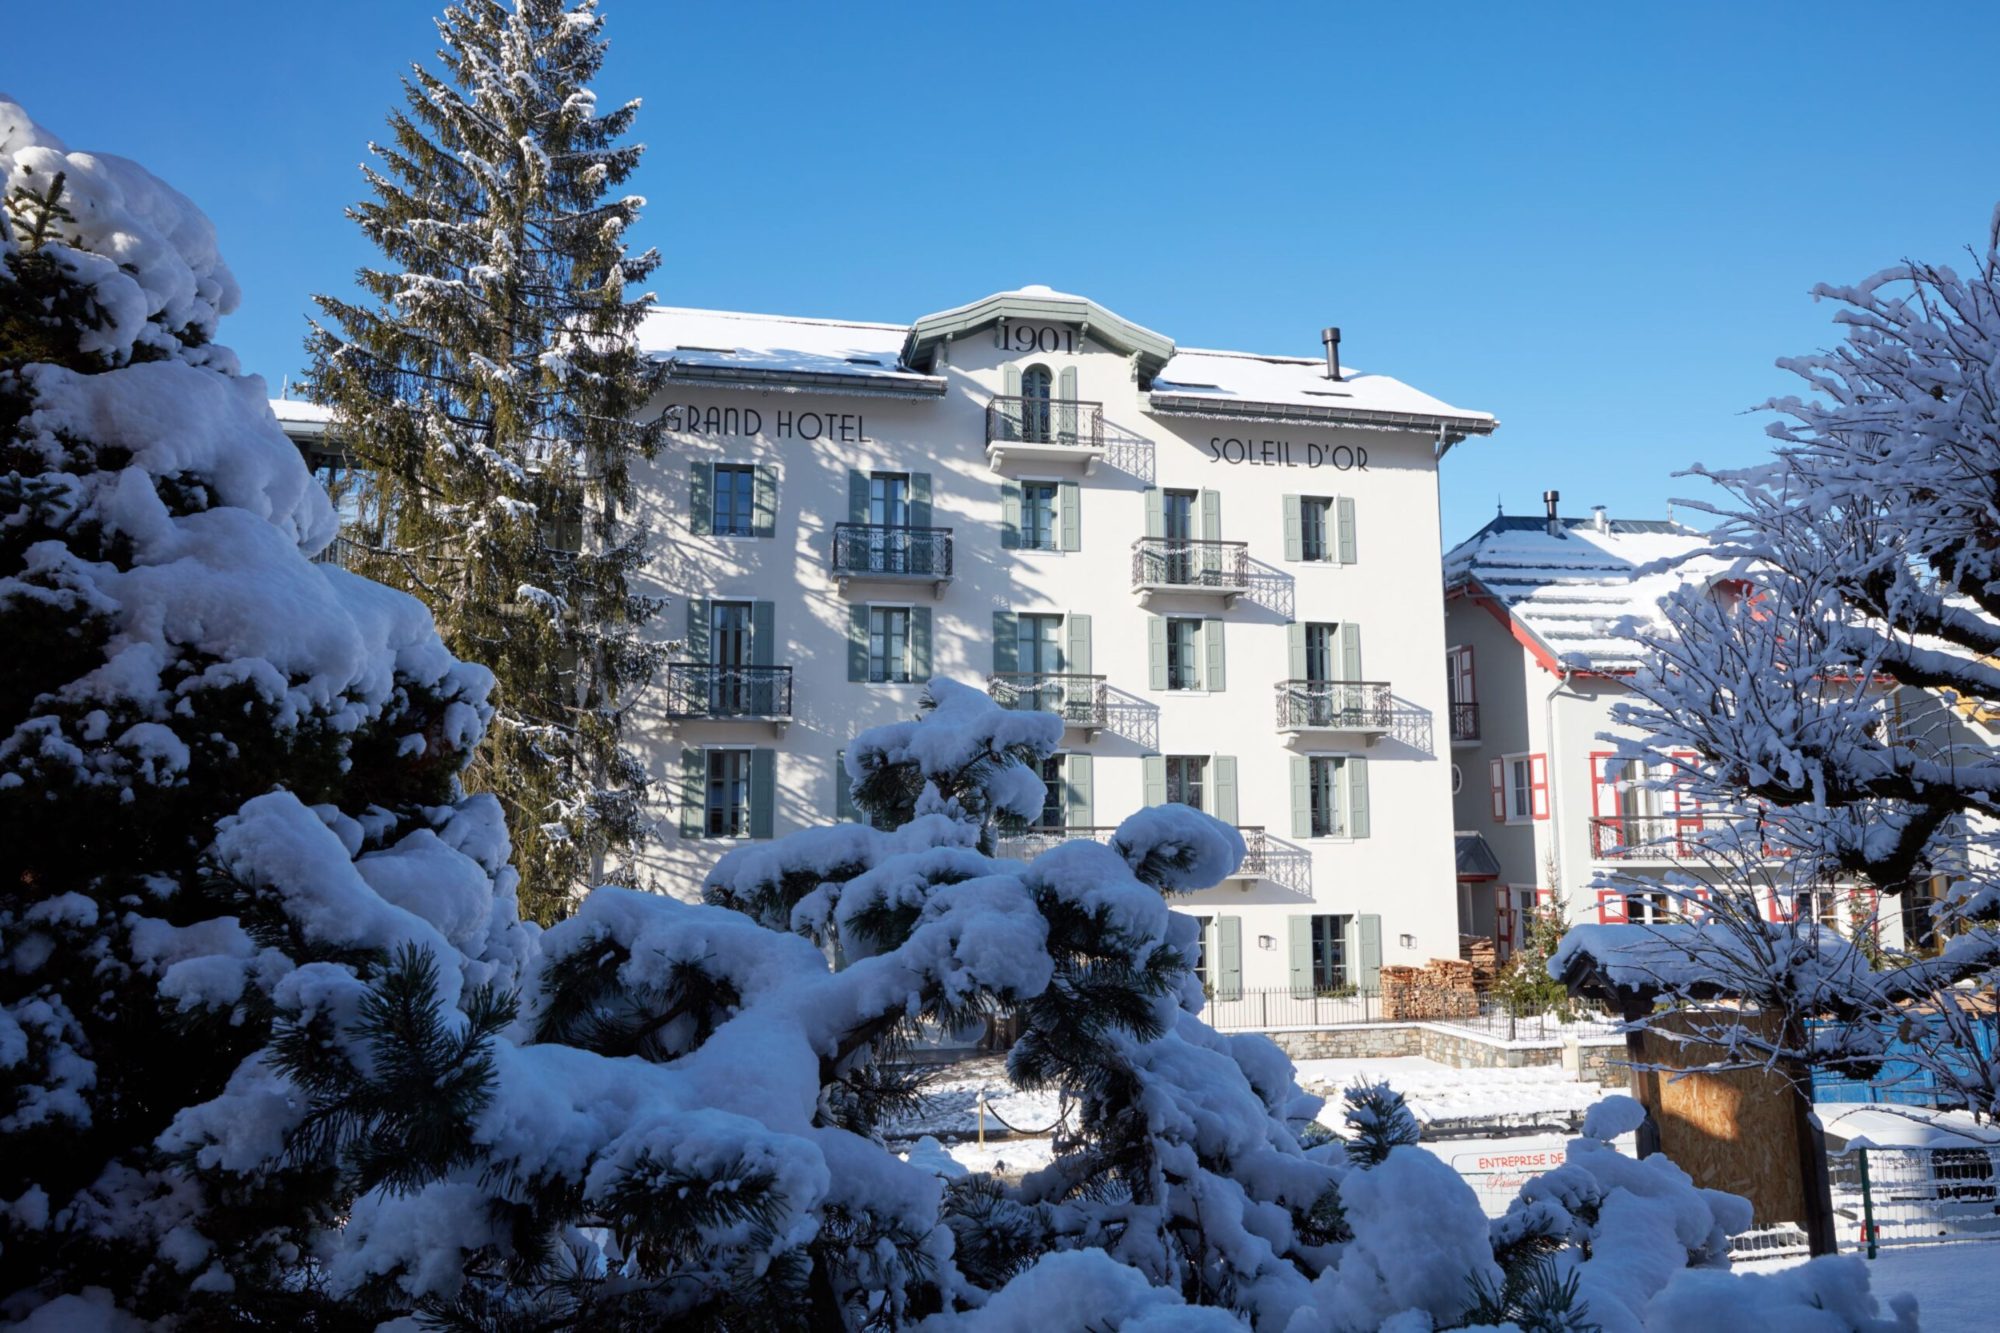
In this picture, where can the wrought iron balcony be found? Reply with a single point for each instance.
(1644, 837)
(1025, 844)
(1079, 700)
(729, 693)
(1464, 722)
(1256, 853)
(887, 553)
(1032, 428)
(1363, 707)
(1175, 564)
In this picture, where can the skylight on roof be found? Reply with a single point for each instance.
(720, 351)
(863, 361)
(1327, 393)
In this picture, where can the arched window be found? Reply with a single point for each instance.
(1036, 383)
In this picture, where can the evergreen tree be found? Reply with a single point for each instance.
(491, 388)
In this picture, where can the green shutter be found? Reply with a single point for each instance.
(1302, 811)
(1153, 769)
(843, 792)
(1354, 774)
(1299, 953)
(1350, 651)
(1156, 652)
(1228, 970)
(1078, 798)
(1010, 380)
(920, 499)
(1211, 641)
(1295, 650)
(697, 635)
(1006, 643)
(1066, 406)
(1156, 512)
(764, 503)
(1010, 413)
(701, 498)
(1069, 500)
(857, 642)
(1076, 649)
(763, 636)
(1295, 528)
(1010, 515)
(694, 793)
(1211, 516)
(920, 644)
(1344, 508)
(857, 496)
(1222, 787)
(763, 791)
(1368, 956)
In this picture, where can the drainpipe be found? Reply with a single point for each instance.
(1560, 889)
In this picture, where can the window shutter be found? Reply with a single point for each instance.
(763, 636)
(1299, 953)
(697, 635)
(1078, 798)
(1010, 413)
(1343, 506)
(764, 503)
(701, 498)
(1228, 958)
(1076, 651)
(1069, 499)
(1368, 954)
(763, 791)
(694, 793)
(1153, 768)
(920, 499)
(1156, 512)
(1498, 770)
(1354, 773)
(1066, 406)
(1211, 516)
(857, 496)
(1010, 515)
(1006, 643)
(857, 642)
(1295, 528)
(1222, 787)
(1156, 652)
(1610, 907)
(920, 644)
(1302, 816)
(1350, 651)
(844, 808)
(1538, 785)
(1295, 650)
(1211, 640)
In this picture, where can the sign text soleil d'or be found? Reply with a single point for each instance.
(842, 427)
(1283, 453)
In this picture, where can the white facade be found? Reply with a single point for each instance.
(783, 430)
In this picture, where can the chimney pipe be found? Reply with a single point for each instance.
(1331, 337)
(1599, 519)
(1549, 499)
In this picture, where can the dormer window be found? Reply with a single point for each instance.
(1036, 386)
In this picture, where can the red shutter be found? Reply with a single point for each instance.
(1605, 830)
(1538, 785)
(1784, 907)
(1499, 772)
(1610, 907)
(1694, 903)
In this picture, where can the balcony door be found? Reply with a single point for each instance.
(730, 653)
(1041, 659)
(1036, 386)
(889, 519)
(1177, 516)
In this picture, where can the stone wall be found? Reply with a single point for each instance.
(1599, 1060)
(1362, 1041)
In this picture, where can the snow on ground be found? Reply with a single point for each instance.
(1439, 1094)
(950, 1103)
(1953, 1283)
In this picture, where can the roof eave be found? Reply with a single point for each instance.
(804, 381)
(1217, 409)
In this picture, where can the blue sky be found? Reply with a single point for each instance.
(1598, 221)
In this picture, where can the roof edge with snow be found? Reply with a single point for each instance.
(1153, 350)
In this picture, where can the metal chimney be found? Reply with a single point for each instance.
(1549, 499)
(1331, 337)
(1599, 519)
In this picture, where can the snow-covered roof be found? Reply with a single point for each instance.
(783, 351)
(1290, 388)
(1574, 591)
(301, 420)
(1475, 857)
(1876, 1125)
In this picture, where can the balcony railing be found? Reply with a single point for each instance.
(1079, 700)
(1025, 844)
(1644, 837)
(1045, 421)
(1334, 705)
(1464, 722)
(1256, 853)
(701, 689)
(882, 551)
(1190, 564)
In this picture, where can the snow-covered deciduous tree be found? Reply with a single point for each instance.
(493, 392)
(1800, 703)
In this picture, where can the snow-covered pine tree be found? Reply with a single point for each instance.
(1812, 688)
(227, 775)
(492, 390)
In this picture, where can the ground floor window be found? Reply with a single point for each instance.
(1329, 954)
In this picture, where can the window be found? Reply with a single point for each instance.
(1038, 516)
(729, 651)
(1183, 653)
(889, 499)
(728, 794)
(888, 644)
(1316, 527)
(735, 500)
(1646, 908)
(1035, 386)
(1324, 789)
(1177, 511)
(1520, 788)
(1329, 953)
(1187, 779)
(1520, 791)
(1052, 792)
(1320, 641)
(1459, 688)
(1202, 962)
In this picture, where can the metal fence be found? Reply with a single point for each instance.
(1334, 705)
(1067, 421)
(891, 551)
(1079, 699)
(1177, 562)
(1904, 1196)
(1276, 1007)
(700, 689)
